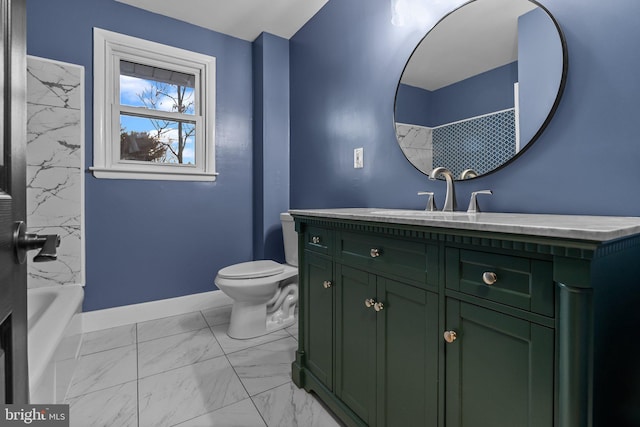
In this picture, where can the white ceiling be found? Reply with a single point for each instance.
(476, 38)
(449, 54)
(244, 19)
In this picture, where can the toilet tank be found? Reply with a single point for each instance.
(290, 238)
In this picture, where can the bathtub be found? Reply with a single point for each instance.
(54, 337)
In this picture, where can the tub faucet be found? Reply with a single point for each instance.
(450, 199)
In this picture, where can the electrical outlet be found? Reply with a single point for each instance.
(358, 161)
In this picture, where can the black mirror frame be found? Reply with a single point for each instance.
(563, 80)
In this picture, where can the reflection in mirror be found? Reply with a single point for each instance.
(480, 87)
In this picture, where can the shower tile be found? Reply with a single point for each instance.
(241, 414)
(113, 406)
(101, 370)
(217, 315)
(167, 326)
(289, 406)
(230, 345)
(175, 351)
(107, 339)
(185, 393)
(67, 269)
(265, 366)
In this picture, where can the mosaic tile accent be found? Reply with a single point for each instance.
(481, 143)
(55, 94)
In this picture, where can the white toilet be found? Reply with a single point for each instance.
(264, 293)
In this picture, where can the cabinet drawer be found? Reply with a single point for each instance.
(516, 281)
(407, 259)
(318, 239)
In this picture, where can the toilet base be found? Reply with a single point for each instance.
(251, 320)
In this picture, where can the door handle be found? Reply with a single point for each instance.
(23, 242)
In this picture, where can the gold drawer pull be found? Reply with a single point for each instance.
(375, 252)
(369, 302)
(489, 277)
(315, 239)
(378, 306)
(450, 336)
(327, 284)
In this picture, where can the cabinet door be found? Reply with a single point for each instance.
(407, 340)
(499, 370)
(355, 342)
(318, 320)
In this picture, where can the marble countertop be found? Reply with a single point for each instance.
(579, 227)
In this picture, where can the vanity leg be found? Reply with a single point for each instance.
(575, 360)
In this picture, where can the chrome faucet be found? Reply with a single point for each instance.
(450, 199)
(468, 173)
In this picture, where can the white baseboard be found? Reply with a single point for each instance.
(134, 313)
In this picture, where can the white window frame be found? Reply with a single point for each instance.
(108, 49)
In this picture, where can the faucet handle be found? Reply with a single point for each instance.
(473, 203)
(431, 204)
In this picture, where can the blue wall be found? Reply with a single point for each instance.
(413, 106)
(148, 240)
(270, 144)
(540, 68)
(484, 93)
(345, 65)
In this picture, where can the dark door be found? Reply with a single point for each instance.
(499, 369)
(407, 341)
(14, 385)
(318, 312)
(356, 373)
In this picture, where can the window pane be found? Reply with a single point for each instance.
(156, 88)
(157, 140)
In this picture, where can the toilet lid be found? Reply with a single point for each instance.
(251, 270)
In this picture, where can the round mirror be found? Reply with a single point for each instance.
(480, 87)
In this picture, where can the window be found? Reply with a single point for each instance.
(153, 110)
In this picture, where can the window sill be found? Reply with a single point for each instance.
(130, 173)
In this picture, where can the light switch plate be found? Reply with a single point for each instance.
(358, 161)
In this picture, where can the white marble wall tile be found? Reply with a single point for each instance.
(289, 406)
(265, 366)
(417, 144)
(185, 393)
(60, 83)
(175, 351)
(67, 269)
(54, 154)
(172, 325)
(102, 370)
(107, 339)
(241, 414)
(114, 406)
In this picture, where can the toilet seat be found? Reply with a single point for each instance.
(251, 270)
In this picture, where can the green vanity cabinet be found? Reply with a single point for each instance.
(487, 320)
(499, 370)
(318, 309)
(386, 349)
(499, 367)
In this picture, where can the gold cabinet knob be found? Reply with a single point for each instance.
(489, 277)
(450, 336)
(375, 252)
(327, 284)
(369, 302)
(378, 306)
(315, 239)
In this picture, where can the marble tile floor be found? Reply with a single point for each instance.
(185, 371)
